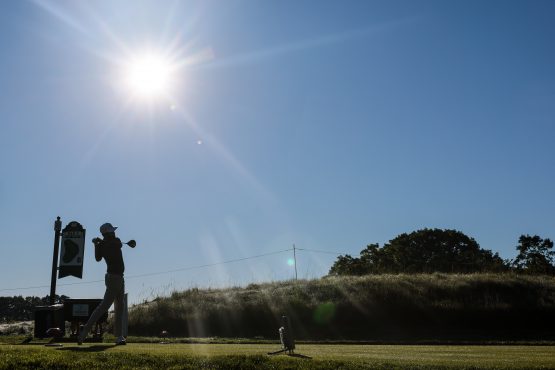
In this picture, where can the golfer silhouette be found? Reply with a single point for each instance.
(109, 248)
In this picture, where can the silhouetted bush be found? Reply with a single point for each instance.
(422, 251)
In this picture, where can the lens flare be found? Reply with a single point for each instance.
(291, 262)
(324, 313)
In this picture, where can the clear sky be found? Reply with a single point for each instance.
(328, 124)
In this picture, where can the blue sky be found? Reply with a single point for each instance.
(325, 124)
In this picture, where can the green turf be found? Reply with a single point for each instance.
(253, 356)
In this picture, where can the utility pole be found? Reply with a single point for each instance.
(295, 260)
(57, 231)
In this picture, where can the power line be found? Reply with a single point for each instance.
(158, 273)
(208, 265)
(48, 286)
(320, 251)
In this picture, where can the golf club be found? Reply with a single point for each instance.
(132, 243)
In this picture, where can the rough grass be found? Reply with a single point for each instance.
(245, 356)
(375, 307)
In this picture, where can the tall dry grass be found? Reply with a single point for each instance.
(376, 307)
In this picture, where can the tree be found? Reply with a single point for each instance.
(535, 255)
(347, 265)
(426, 250)
(18, 308)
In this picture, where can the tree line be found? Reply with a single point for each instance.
(449, 251)
(19, 308)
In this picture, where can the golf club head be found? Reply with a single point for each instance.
(132, 243)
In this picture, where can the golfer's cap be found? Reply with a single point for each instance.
(107, 228)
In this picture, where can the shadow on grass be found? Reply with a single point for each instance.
(87, 349)
(26, 340)
(300, 356)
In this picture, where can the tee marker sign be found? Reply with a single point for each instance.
(72, 251)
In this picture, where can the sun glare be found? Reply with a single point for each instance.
(149, 76)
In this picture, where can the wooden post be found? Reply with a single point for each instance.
(295, 260)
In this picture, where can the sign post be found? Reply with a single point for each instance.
(73, 251)
(57, 229)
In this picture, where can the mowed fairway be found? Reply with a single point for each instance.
(253, 356)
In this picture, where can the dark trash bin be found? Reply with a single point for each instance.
(47, 317)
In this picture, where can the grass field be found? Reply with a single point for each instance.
(253, 356)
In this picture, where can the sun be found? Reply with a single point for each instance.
(148, 76)
(154, 77)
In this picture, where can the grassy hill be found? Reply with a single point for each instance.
(375, 307)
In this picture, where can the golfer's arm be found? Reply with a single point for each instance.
(97, 253)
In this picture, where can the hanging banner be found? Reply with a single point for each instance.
(72, 251)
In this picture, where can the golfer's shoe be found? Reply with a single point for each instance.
(121, 341)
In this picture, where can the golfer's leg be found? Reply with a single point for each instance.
(118, 310)
(99, 311)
